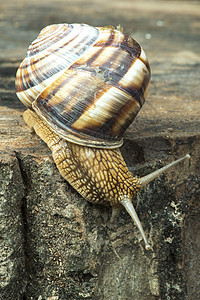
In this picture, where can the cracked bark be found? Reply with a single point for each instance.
(62, 245)
(12, 238)
(53, 243)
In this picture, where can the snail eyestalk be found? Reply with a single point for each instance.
(126, 202)
(148, 178)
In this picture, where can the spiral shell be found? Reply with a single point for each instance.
(87, 83)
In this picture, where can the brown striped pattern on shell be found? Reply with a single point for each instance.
(87, 83)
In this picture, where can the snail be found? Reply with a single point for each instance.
(83, 87)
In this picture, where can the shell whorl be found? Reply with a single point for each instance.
(87, 83)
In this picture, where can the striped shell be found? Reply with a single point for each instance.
(88, 83)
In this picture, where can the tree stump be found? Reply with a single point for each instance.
(53, 243)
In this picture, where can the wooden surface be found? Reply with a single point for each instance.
(49, 251)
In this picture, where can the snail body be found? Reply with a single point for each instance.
(83, 87)
(100, 175)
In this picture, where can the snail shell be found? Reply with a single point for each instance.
(86, 83)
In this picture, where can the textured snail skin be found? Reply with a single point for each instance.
(99, 175)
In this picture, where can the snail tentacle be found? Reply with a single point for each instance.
(148, 178)
(127, 203)
(115, 212)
